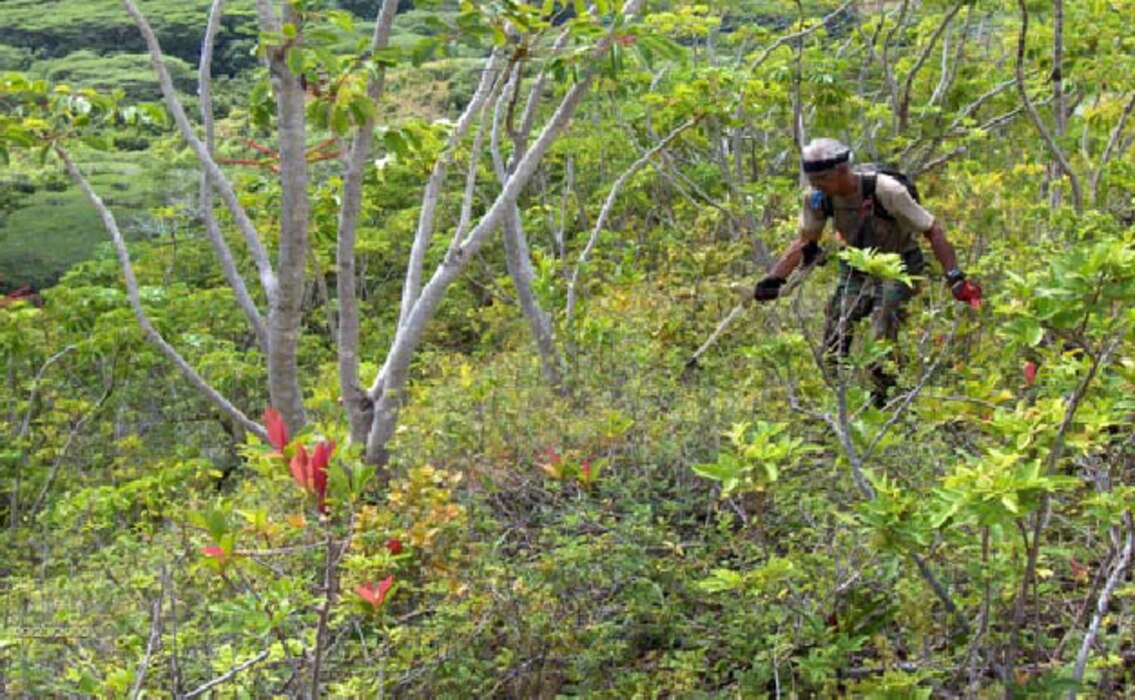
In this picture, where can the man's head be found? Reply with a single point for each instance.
(827, 165)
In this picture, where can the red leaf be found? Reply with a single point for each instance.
(394, 546)
(322, 455)
(552, 455)
(277, 431)
(367, 593)
(301, 469)
(319, 461)
(384, 588)
(1030, 373)
(215, 552)
(375, 596)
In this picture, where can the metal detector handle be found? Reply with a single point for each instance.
(798, 275)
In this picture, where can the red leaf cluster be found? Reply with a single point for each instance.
(310, 472)
(308, 469)
(375, 595)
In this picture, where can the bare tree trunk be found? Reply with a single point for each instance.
(216, 175)
(517, 257)
(1113, 580)
(519, 262)
(355, 402)
(426, 217)
(286, 310)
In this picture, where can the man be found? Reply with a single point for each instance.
(869, 210)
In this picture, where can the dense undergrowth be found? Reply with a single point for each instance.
(749, 527)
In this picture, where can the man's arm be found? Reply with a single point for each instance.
(800, 250)
(962, 289)
(936, 236)
(804, 249)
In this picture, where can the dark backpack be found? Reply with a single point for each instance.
(870, 173)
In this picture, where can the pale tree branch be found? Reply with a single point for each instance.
(616, 188)
(517, 257)
(1113, 580)
(949, 70)
(216, 175)
(528, 121)
(269, 22)
(354, 170)
(151, 645)
(798, 35)
(1111, 144)
(212, 230)
(908, 84)
(927, 148)
(387, 389)
(227, 676)
(212, 395)
(1059, 110)
(1057, 152)
(888, 70)
(500, 107)
(466, 217)
(426, 218)
(798, 130)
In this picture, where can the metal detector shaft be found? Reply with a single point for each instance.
(794, 281)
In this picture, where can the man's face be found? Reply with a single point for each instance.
(825, 181)
(837, 181)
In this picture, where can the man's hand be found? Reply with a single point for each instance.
(963, 289)
(768, 288)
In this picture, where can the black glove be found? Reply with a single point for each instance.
(813, 253)
(768, 288)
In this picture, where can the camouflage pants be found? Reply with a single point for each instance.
(857, 296)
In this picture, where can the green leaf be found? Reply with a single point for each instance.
(721, 580)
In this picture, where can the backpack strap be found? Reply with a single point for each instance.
(871, 205)
(869, 182)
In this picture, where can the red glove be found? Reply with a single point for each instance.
(964, 290)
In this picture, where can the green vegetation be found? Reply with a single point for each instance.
(752, 526)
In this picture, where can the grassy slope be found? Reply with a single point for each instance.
(96, 45)
(55, 227)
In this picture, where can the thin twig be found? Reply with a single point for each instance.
(202, 689)
(1111, 143)
(1053, 146)
(151, 645)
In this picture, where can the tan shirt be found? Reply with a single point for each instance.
(895, 236)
